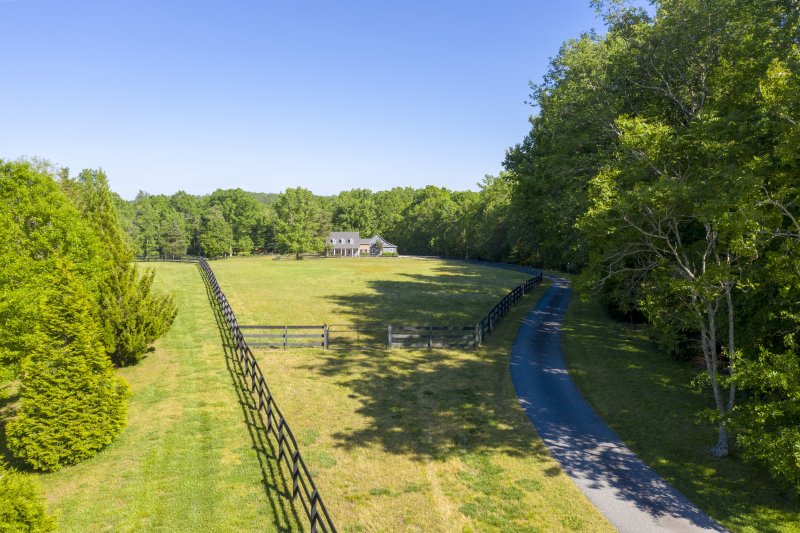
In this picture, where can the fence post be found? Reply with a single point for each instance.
(476, 336)
(314, 512)
(430, 337)
(295, 474)
(389, 337)
(325, 337)
(285, 337)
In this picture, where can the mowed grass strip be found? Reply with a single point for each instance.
(186, 461)
(411, 440)
(647, 398)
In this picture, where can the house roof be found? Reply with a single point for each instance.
(384, 242)
(344, 237)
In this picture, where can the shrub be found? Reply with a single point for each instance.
(72, 404)
(21, 505)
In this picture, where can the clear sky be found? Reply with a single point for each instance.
(169, 95)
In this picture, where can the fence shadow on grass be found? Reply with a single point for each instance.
(277, 488)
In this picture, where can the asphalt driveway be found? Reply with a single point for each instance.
(631, 495)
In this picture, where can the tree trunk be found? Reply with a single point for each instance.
(731, 346)
(708, 335)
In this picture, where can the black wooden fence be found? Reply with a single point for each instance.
(288, 451)
(487, 324)
(287, 336)
(170, 258)
(390, 336)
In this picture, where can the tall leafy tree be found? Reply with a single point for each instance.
(302, 224)
(356, 210)
(39, 225)
(214, 238)
(241, 211)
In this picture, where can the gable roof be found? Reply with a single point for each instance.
(344, 236)
(384, 242)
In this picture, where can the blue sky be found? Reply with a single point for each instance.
(194, 95)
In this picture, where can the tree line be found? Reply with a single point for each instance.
(73, 305)
(663, 164)
(426, 221)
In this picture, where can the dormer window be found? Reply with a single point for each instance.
(349, 241)
(341, 241)
(333, 241)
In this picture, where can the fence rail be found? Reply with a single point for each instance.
(487, 324)
(315, 336)
(303, 486)
(394, 336)
(169, 258)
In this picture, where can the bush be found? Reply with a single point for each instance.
(72, 404)
(132, 315)
(21, 505)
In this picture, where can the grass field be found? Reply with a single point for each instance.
(352, 290)
(648, 400)
(408, 440)
(187, 460)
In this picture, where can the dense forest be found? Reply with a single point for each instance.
(662, 164)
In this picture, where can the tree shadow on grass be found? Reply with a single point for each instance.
(431, 404)
(422, 300)
(277, 487)
(631, 382)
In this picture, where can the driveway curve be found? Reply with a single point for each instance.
(631, 495)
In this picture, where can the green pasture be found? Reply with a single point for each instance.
(187, 459)
(407, 440)
(648, 399)
(268, 291)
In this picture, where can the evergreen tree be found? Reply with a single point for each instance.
(71, 402)
(21, 506)
(131, 315)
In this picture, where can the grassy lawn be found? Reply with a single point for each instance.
(408, 440)
(187, 460)
(352, 290)
(647, 398)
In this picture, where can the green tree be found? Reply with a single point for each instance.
(39, 226)
(131, 314)
(390, 207)
(214, 238)
(173, 237)
(768, 420)
(71, 402)
(301, 224)
(356, 210)
(242, 212)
